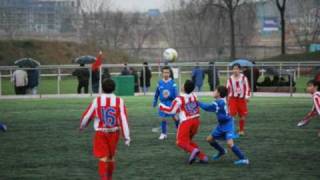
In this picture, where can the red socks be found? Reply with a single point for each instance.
(241, 125)
(106, 170)
(102, 169)
(110, 169)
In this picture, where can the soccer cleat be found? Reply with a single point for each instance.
(303, 122)
(241, 133)
(163, 136)
(204, 160)
(218, 156)
(193, 155)
(242, 162)
(3, 127)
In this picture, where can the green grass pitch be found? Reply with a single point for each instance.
(43, 142)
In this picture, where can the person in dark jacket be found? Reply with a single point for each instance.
(33, 81)
(83, 78)
(95, 81)
(145, 78)
(134, 73)
(213, 76)
(126, 70)
(106, 74)
(255, 73)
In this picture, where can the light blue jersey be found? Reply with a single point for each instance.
(225, 127)
(166, 92)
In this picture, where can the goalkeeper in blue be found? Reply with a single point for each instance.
(225, 128)
(166, 92)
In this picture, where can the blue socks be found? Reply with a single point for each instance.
(237, 152)
(217, 147)
(177, 124)
(164, 127)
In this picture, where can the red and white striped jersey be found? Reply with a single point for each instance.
(316, 102)
(109, 113)
(238, 87)
(186, 106)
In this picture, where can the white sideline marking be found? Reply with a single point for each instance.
(67, 96)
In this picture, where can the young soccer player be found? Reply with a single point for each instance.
(166, 92)
(238, 96)
(313, 87)
(225, 127)
(110, 119)
(187, 108)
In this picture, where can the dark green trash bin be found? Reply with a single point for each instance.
(124, 85)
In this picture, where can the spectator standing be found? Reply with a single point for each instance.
(197, 77)
(134, 73)
(126, 70)
(255, 73)
(83, 78)
(33, 81)
(20, 80)
(213, 76)
(145, 77)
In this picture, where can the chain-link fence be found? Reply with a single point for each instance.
(272, 77)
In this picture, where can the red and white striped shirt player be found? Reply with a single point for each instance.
(314, 111)
(109, 114)
(313, 87)
(186, 106)
(238, 87)
(191, 111)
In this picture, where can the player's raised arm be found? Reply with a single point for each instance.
(124, 122)
(88, 115)
(210, 107)
(173, 108)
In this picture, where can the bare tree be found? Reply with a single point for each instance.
(91, 12)
(281, 5)
(230, 6)
(191, 27)
(305, 22)
(141, 28)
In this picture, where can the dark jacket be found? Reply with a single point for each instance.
(148, 76)
(82, 75)
(210, 72)
(33, 78)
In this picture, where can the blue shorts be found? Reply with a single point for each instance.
(164, 115)
(223, 135)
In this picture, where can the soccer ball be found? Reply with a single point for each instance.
(170, 55)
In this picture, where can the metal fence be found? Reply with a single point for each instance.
(274, 77)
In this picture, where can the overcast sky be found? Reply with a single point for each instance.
(140, 5)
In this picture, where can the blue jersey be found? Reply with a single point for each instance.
(219, 106)
(166, 92)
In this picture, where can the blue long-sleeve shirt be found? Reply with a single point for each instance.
(219, 106)
(198, 76)
(166, 92)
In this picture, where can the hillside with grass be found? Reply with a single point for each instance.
(50, 52)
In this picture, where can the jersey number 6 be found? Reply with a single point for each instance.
(108, 116)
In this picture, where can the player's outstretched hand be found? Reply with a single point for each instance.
(303, 122)
(127, 142)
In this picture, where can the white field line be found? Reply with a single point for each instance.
(66, 96)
